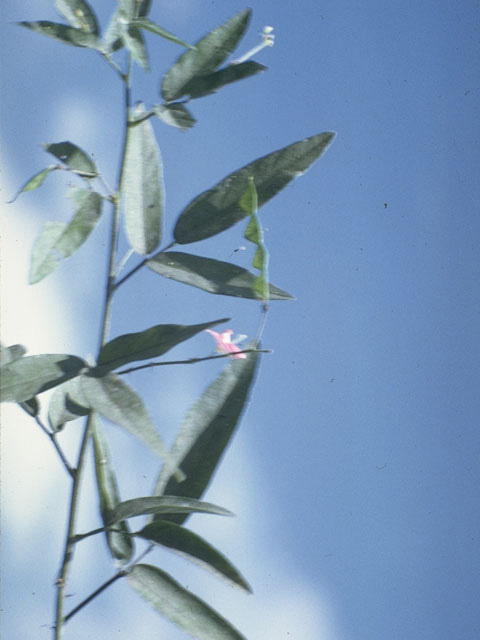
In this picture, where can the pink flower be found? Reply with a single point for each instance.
(225, 344)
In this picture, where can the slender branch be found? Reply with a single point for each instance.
(115, 220)
(105, 185)
(114, 65)
(120, 574)
(190, 360)
(130, 273)
(53, 438)
(140, 265)
(263, 320)
(142, 118)
(94, 532)
(73, 510)
(105, 585)
(69, 544)
(124, 260)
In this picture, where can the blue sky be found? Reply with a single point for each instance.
(355, 473)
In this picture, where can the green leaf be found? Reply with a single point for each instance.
(69, 35)
(207, 431)
(176, 115)
(45, 258)
(73, 157)
(35, 181)
(133, 38)
(89, 209)
(180, 606)
(11, 353)
(59, 240)
(192, 546)
(148, 344)
(120, 404)
(122, 17)
(144, 8)
(30, 406)
(254, 233)
(163, 505)
(211, 275)
(142, 187)
(219, 208)
(144, 23)
(209, 53)
(112, 39)
(79, 14)
(24, 378)
(203, 85)
(62, 408)
(120, 542)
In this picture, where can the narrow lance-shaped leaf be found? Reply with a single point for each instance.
(61, 408)
(135, 43)
(203, 85)
(35, 181)
(209, 54)
(120, 404)
(59, 240)
(163, 505)
(219, 208)
(214, 276)
(79, 14)
(148, 344)
(112, 38)
(144, 23)
(26, 377)
(9, 354)
(119, 542)
(45, 258)
(87, 214)
(193, 547)
(142, 187)
(180, 606)
(207, 431)
(175, 115)
(254, 233)
(74, 157)
(144, 8)
(64, 33)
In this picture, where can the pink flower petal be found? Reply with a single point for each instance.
(224, 343)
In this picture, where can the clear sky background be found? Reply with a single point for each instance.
(355, 472)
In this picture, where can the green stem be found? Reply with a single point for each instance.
(189, 361)
(69, 544)
(53, 437)
(115, 218)
(60, 619)
(93, 595)
(140, 265)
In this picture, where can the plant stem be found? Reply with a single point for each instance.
(93, 595)
(189, 360)
(69, 544)
(140, 265)
(115, 219)
(52, 435)
(263, 320)
(109, 289)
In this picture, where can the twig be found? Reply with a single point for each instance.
(93, 595)
(191, 360)
(140, 265)
(105, 585)
(53, 439)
